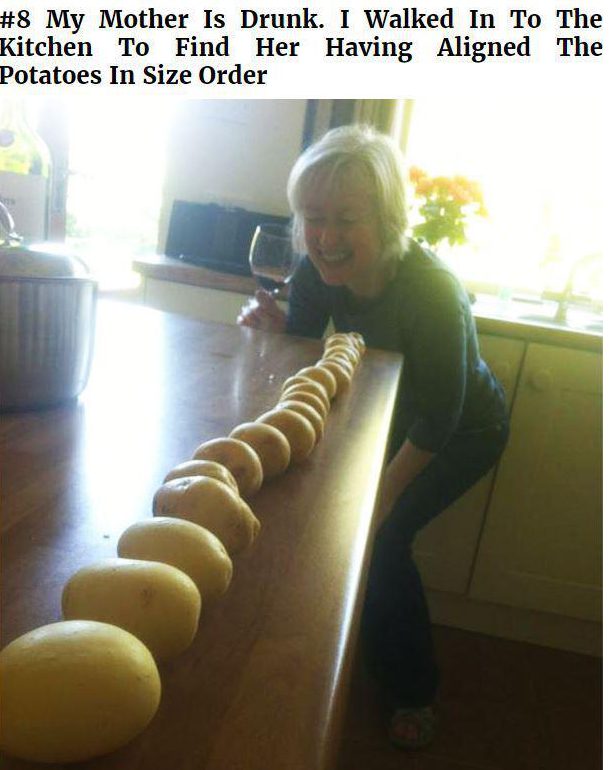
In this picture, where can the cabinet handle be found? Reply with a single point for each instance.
(541, 380)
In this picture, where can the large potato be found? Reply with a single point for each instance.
(211, 504)
(75, 690)
(155, 602)
(182, 544)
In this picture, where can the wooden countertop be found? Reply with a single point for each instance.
(489, 320)
(263, 685)
(164, 268)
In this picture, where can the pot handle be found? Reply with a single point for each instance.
(8, 236)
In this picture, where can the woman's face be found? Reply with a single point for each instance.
(342, 232)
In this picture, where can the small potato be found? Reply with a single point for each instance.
(348, 351)
(322, 376)
(306, 383)
(360, 342)
(341, 338)
(295, 394)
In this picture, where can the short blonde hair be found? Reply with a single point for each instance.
(362, 148)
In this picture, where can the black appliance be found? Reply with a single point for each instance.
(214, 236)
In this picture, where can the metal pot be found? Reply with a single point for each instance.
(47, 324)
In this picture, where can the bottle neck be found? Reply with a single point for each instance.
(12, 116)
(21, 149)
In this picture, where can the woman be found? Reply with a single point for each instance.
(348, 200)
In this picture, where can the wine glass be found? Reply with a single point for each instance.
(272, 257)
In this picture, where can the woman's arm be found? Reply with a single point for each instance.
(399, 473)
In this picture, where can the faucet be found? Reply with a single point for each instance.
(567, 295)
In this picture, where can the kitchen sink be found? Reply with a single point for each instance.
(587, 321)
(538, 311)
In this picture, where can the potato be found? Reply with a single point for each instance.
(75, 690)
(182, 544)
(158, 604)
(347, 350)
(296, 428)
(341, 374)
(324, 377)
(306, 383)
(359, 342)
(271, 446)
(203, 468)
(308, 412)
(295, 394)
(239, 458)
(212, 505)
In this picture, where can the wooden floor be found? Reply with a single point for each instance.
(502, 706)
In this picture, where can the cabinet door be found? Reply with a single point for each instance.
(195, 301)
(541, 544)
(444, 550)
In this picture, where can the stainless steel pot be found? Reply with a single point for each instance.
(47, 324)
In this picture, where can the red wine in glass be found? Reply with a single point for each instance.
(272, 258)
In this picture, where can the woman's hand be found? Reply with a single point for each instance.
(263, 313)
(399, 473)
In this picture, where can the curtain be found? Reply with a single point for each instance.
(391, 116)
(379, 113)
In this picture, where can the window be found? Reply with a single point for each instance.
(116, 168)
(539, 163)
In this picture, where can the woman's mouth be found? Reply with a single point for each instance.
(336, 258)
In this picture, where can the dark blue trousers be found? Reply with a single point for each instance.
(396, 631)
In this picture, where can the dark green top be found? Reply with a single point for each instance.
(424, 313)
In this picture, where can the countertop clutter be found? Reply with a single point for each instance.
(263, 685)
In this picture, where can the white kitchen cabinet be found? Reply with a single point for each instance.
(542, 538)
(195, 301)
(446, 548)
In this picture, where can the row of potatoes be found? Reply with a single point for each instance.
(87, 685)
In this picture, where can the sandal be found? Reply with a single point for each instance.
(412, 728)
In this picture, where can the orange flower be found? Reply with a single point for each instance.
(416, 174)
(425, 186)
(442, 184)
(459, 192)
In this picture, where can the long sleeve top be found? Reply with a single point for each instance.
(423, 313)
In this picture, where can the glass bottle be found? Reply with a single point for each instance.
(25, 170)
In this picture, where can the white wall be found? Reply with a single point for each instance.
(237, 152)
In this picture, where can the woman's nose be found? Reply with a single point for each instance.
(328, 238)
